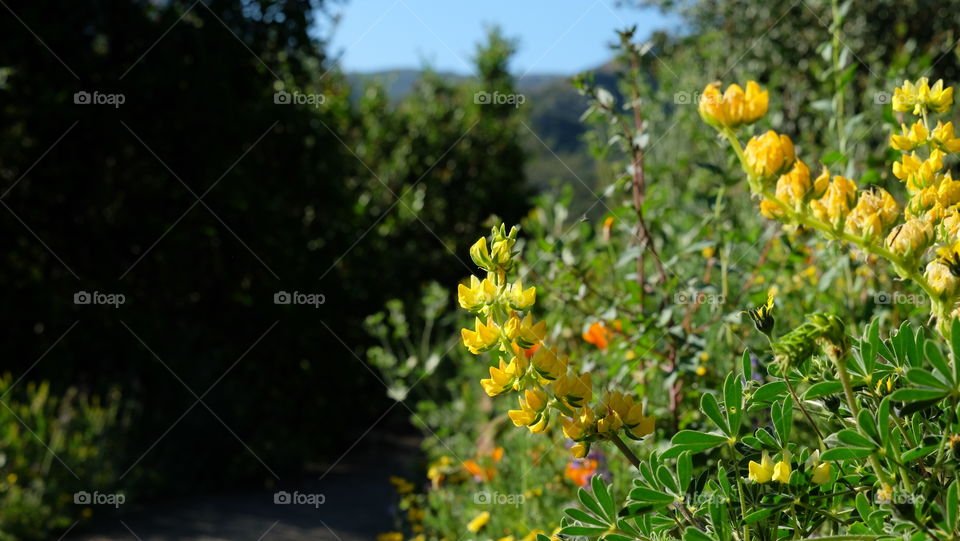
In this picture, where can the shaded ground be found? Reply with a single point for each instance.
(357, 501)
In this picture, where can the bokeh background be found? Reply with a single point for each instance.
(198, 159)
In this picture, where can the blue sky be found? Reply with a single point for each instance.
(556, 36)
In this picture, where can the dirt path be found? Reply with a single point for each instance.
(357, 501)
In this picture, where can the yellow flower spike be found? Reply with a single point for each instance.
(481, 255)
(919, 174)
(909, 240)
(837, 201)
(782, 470)
(525, 333)
(762, 472)
(770, 155)
(477, 295)
(581, 425)
(483, 338)
(876, 211)
(478, 522)
(944, 137)
(520, 299)
(821, 473)
(910, 139)
(573, 389)
(548, 364)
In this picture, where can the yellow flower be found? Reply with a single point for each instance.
(477, 295)
(701, 370)
(911, 138)
(622, 411)
(580, 449)
(837, 201)
(520, 299)
(762, 472)
(548, 364)
(875, 213)
(525, 333)
(944, 137)
(762, 316)
(916, 173)
(941, 279)
(573, 390)
(885, 494)
(770, 155)
(782, 471)
(480, 254)
(734, 107)
(910, 239)
(821, 473)
(580, 426)
(531, 412)
(884, 383)
(390, 536)
(948, 191)
(483, 338)
(505, 376)
(478, 522)
(918, 96)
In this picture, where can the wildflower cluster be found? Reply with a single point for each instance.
(548, 384)
(868, 218)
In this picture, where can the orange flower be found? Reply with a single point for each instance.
(581, 470)
(477, 471)
(527, 352)
(597, 334)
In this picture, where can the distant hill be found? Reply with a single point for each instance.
(558, 155)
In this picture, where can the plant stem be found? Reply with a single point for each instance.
(841, 365)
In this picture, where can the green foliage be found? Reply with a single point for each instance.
(51, 448)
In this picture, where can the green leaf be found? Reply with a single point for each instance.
(770, 392)
(580, 516)
(666, 479)
(541, 537)
(758, 515)
(845, 453)
(764, 436)
(709, 405)
(955, 347)
(935, 356)
(603, 497)
(953, 493)
(745, 365)
(883, 420)
(646, 495)
(917, 395)
(693, 534)
(918, 452)
(824, 388)
(919, 376)
(833, 157)
(693, 437)
(853, 438)
(582, 530)
(733, 402)
(863, 506)
(868, 425)
(589, 502)
(684, 471)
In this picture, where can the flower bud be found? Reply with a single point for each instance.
(733, 108)
(875, 213)
(910, 239)
(837, 201)
(941, 279)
